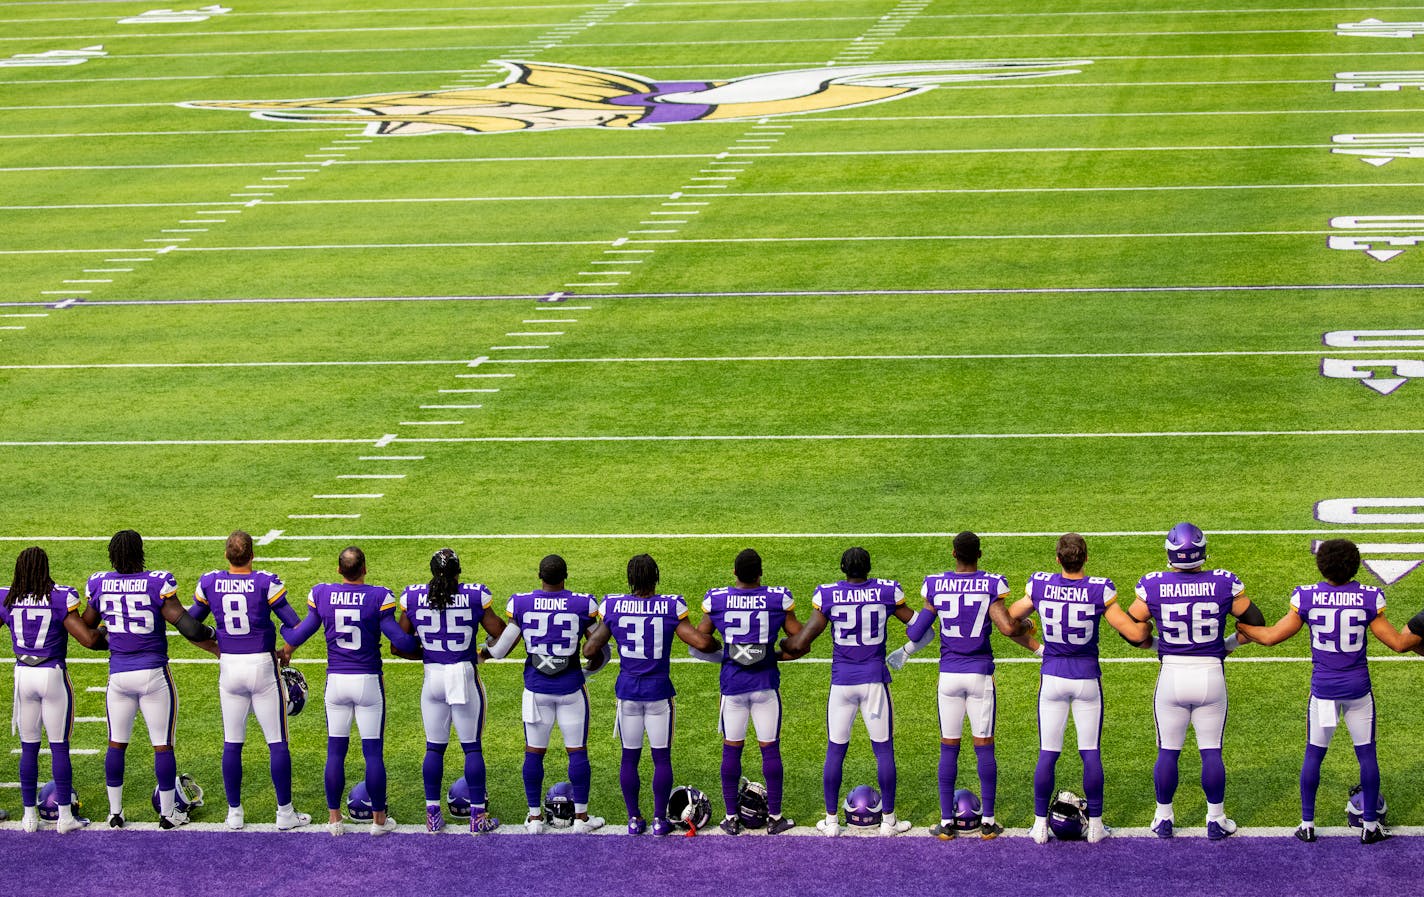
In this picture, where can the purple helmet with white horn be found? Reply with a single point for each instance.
(1186, 547)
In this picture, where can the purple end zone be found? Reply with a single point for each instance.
(102, 862)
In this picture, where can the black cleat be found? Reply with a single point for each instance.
(778, 824)
(731, 825)
(1305, 833)
(991, 831)
(116, 820)
(942, 831)
(1374, 835)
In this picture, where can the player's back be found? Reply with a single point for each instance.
(1338, 618)
(961, 604)
(858, 614)
(447, 634)
(241, 604)
(551, 625)
(644, 629)
(37, 625)
(1070, 611)
(1190, 610)
(131, 605)
(749, 621)
(351, 615)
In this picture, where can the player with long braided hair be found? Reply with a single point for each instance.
(446, 615)
(33, 605)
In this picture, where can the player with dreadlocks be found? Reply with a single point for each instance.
(39, 613)
(134, 603)
(446, 615)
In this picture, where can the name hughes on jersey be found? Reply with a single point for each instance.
(746, 602)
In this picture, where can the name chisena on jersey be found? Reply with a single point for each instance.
(1067, 593)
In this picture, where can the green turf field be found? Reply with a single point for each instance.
(1093, 300)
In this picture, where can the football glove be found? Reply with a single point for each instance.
(896, 659)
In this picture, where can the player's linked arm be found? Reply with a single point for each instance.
(1018, 631)
(1392, 638)
(198, 633)
(1284, 628)
(93, 639)
(799, 645)
(1138, 633)
(696, 639)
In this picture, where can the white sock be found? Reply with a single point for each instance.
(831, 820)
(1369, 826)
(988, 820)
(66, 813)
(32, 814)
(888, 818)
(284, 808)
(432, 805)
(1216, 812)
(1040, 820)
(1164, 811)
(165, 802)
(946, 823)
(116, 799)
(536, 813)
(580, 809)
(1307, 823)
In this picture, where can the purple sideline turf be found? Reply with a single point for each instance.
(94, 863)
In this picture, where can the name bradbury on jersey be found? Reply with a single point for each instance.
(1185, 589)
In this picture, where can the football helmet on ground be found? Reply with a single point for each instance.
(753, 810)
(862, 806)
(294, 685)
(559, 805)
(187, 796)
(1068, 817)
(967, 811)
(689, 808)
(358, 803)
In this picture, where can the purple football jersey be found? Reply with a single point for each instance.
(131, 606)
(1338, 618)
(1070, 611)
(448, 636)
(351, 616)
(1190, 609)
(961, 602)
(242, 605)
(643, 629)
(552, 624)
(747, 617)
(37, 624)
(858, 613)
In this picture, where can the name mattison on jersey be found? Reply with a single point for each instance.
(1067, 593)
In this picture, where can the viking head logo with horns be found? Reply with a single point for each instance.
(540, 96)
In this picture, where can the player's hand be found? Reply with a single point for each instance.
(1027, 627)
(284, 656)
(896, 659)
(1242, 638)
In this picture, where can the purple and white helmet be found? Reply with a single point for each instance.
(1355, 808)
(458, 798)
(688, 808)
(1186, 547)
(968, 814)
(49, 803)
(358, 802)
(559, 805)
(1068, 817)
(862, 806)
(187, 795)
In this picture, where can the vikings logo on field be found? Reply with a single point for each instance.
(541, 96)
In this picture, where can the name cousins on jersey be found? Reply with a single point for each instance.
(234, 585)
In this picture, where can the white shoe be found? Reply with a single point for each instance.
(890, 827)
(173, 820)
(336, 828)
(286, 820)
(72, 824)
(828, 827)
(1097, 831)
(1039, 832)
(31, 820)
(584, 826)
(383, 828)
(534, 825)
(235, 820)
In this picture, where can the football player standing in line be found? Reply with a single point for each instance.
(643, 624)
(1338, 611)
(41, 617)
(353, 616)
(552, 621)
(446, 615)
(857, 608)
(750, 617)
(958, 605)
(243, 603)
(1189, 606)
(134, 603)
(1071, 606)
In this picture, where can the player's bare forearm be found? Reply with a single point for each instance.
(1392, 638)
(493, 624)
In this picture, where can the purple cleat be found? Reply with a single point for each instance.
(663, 827)
(637, 825)
(434, 819)
(482, 823)
(1162, 828)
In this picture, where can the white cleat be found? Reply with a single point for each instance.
(287, 820)
(534, 825)
(828, 827)
(336, 828)
(31, 820)
(1097, 831)
(584, 826)
(173, 820)
(72, 824)
(383, 828)
(235, 819)
(1039, 832)
(889, 827)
